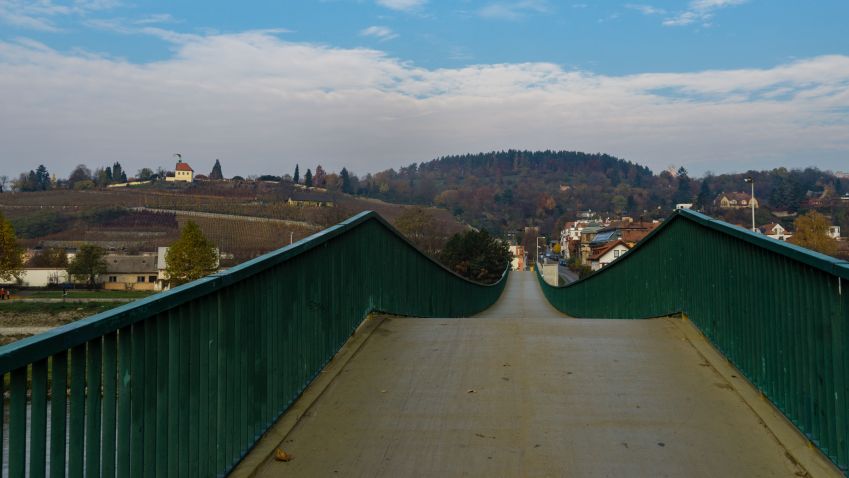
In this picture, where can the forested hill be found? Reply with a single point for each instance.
(511, 189)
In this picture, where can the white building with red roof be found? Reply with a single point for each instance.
(182, 172)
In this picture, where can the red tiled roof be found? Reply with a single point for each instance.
(606, 248)
(184, 167)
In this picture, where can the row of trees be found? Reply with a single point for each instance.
(190, 257)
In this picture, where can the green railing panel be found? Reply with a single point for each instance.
(778, 312)
(185, 382)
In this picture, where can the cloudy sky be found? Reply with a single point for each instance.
(714, 85)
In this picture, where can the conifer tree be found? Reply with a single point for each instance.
(308, 179)
(216, 171)
(297, 177)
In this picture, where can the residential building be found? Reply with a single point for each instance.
(182, 172)
(518, 253)
(130, 272)
(776, 231)
(834, 232)
(735, 201)
(608, 253)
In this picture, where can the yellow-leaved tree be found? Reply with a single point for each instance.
(11, 258)
(190, 257)
(812, 232)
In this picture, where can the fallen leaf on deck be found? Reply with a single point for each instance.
(281, 455)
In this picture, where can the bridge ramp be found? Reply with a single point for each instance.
(522, 391)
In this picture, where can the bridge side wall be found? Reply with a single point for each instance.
(779, 313)
(189, 380)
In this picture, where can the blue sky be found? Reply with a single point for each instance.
(714, 85)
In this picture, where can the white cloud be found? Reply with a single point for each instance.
(700, 11)
(41, 15)
(402, 5)
(263, 104)
(646, 9)
(513, 10)
(379, 32)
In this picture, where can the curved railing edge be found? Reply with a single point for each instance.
(812, 258)
(23, 352)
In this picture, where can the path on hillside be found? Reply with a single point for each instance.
(215, 215)
(521, 390)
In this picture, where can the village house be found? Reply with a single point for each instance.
(776, 231)
(131, 273)
(182, 172)
(518, 253)
(607, 254)
(735, 201)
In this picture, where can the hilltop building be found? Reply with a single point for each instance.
(182, 172)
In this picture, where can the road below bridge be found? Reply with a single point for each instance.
(521, 390)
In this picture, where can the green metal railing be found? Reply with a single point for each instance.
(778, 312)
(186, 381)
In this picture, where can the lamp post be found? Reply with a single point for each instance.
(538, 238)
(751, 181)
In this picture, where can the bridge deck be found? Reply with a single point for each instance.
(521, 391)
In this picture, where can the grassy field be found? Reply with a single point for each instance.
(86, 294)
(26, 308)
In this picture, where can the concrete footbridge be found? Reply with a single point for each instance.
(705, 351)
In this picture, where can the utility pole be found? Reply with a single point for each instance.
(751, 181)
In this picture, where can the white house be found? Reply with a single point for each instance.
(834, 232)
(608, 254)
(776, 231)
(182, 172)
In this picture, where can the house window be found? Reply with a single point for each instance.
(616, 253)
(113, 279)
(140, 279)
(151, 279)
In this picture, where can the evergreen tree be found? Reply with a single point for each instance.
(297, 177)
(346, 181)
(107, 177)
(190, 257)
(703, 200)
(216, 171)
(123, 177)
(11, 255)
(42, 178)
(88, 264)
(118, 172)
(308, 179)
(684, 193)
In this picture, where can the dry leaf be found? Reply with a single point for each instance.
(281, 455)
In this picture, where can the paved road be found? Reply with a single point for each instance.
(523, 391)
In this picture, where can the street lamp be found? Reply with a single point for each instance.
(751, 181)
(538, 238)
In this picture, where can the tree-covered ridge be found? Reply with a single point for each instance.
(507, 190)
(503, 190)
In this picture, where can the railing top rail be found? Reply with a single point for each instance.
(828, 264)
(31, 349)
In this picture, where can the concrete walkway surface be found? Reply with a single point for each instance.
(523, 391)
